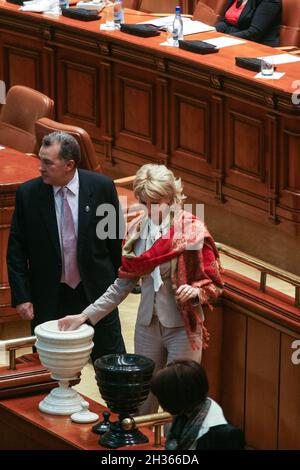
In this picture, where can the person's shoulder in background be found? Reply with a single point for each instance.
(222, 437)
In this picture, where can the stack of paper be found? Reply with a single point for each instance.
(282, 58)
(224, 41)
(39, 6)
(94, 5)
(193, 27)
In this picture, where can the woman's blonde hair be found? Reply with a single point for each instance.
(156, 182)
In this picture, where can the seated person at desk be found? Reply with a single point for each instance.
(255, 20)
(199, 423)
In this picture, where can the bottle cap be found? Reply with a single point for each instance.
(177, 9)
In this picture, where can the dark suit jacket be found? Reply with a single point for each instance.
(259, 22)
(34, 257)
(222, 437)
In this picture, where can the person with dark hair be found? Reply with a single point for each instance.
(199, 423)
(255, 20)
(56, 262)
(69, 147)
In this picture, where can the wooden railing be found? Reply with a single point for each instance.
(265, 269)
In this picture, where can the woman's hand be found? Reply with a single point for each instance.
(72, 322)
(186, 292)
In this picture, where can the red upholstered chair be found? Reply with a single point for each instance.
(89, 160)
(209, 11)
(133, 4)
(23, 107)
(290, 23)
(157, 6)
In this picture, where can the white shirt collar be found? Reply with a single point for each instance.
(156, 231)
(215, 417)
(73, 185)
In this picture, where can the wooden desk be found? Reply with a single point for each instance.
(15, 168)
(24, 427)
(233, 139)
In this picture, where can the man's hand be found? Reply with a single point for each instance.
(72, 322)
(25, 311)
(186, 292)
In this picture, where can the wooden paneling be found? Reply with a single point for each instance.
(293, 162)
(233, 366)
(191, 116)
(245, 149)
(289, 409)
(165, 6)
(262, 379)
(246, 159)
(78, 89)
(24, 427)
(135, 109)
(260, 385)
(190, 119)
(11, 329)
(22, 61)
(78, 79)
(212, 357)
(232, 139)
(22, 66)
(15, 168)
(290, 178)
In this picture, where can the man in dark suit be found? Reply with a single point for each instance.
(58, 261)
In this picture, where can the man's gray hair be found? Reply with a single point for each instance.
(69, 147)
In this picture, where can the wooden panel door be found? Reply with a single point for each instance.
(212, 356)
(289, 172)
(167, 6)
(21, 61)
(135, 111)
(262, 379)
(190, 122)
(233, 365)
(78, 91)
(247, 153)
(289, 405)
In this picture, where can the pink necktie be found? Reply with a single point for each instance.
(70, 272)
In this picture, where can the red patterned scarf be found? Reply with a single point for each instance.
(189, 247)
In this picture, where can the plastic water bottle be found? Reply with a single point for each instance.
(118, 13)
(63, 4)
(177, 26)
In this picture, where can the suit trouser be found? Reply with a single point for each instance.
(162, 345)
(107, 337)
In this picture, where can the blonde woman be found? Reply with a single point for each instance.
(173, 254)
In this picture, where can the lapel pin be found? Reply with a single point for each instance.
(87, 209)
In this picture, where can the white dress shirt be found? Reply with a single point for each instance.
(151, 233)
(72, 197)
(214, 417)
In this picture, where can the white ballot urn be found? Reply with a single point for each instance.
(64, 354)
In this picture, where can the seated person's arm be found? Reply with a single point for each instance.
(221, 26)
(113, 296)
(262, 20)
(222, 437)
